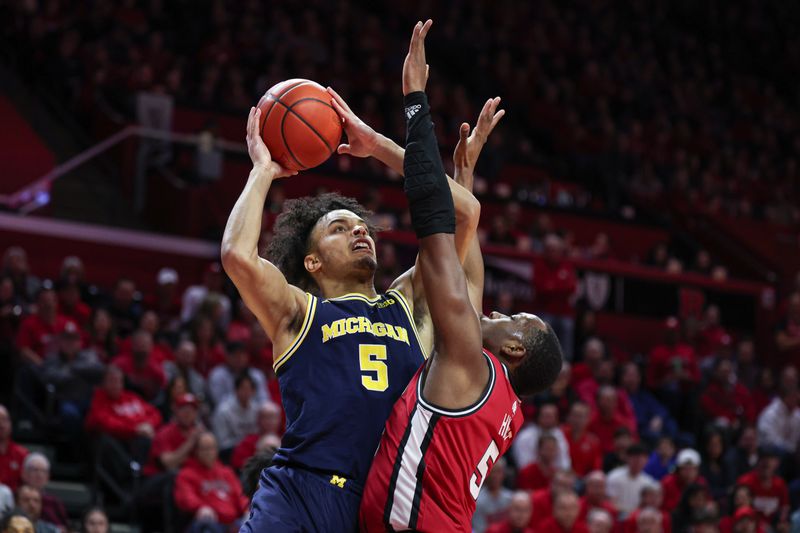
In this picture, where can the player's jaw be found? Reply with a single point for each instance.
(503, 335)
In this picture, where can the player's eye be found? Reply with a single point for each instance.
(338, 228)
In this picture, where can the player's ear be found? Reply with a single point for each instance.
(512, 348)
(312, 263)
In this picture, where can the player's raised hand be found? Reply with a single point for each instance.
(415, 70)
(470, 144)
(259, 154)
(361, 138)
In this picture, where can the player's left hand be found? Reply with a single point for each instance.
(415, 70)
(470, 145)
(361, 139)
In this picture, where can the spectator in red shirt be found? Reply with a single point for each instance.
(542, 500)
(650, 497)
(519, 515)
(210, 351)
(743, 520)
(162, 350)
(175, 441)
(687, 472)
(207, 489)
(566, 508)
(595, 496)
(37, 333)
(594, 352)
(712, 335)
(585, 449)
(555, 282)
(770, 494)
(538, 474)
(649, 520)
(604, 375)
(672, 366)
(725, 401)
(143, 371)
(607, 419)
(70, 304)
(269, 425)
(11, 454)
(123, 415)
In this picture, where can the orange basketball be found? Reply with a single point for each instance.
(298, 124)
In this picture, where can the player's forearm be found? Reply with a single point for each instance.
(389, 153)
(240, 240)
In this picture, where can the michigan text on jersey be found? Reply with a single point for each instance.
(361, 324)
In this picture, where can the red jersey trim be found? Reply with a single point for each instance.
(458, 413)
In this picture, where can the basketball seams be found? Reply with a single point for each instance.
(303, 120)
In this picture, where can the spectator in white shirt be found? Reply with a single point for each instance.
(222, 377)
(779, 423)
(493, 500)
(235, 418)
(625, 483)
(525, 446)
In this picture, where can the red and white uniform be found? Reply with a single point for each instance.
(432, 462)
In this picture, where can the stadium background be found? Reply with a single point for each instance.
(643, 187)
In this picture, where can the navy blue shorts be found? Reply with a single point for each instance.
(292, 500)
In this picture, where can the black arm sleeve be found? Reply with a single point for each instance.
(426, 187)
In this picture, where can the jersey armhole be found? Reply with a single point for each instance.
(407, 309)
(311, 307)
(459, 413)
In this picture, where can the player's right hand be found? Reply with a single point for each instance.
(362, 139)
(259, 154)
(415, 70)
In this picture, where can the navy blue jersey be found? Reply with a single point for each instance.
(340, 378)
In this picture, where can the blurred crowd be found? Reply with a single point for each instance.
(696, 434)
(655, 101)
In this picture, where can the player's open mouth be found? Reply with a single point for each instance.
(361, 244)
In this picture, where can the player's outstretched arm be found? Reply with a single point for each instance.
(262, 286)
(465, 157)
(458, 335)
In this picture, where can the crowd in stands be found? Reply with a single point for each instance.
(697, 434)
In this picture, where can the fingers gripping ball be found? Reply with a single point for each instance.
(298, 124)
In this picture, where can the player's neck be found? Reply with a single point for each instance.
(336, 288)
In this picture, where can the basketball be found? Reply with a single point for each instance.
(298, 124)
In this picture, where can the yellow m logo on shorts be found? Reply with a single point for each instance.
(339, 481)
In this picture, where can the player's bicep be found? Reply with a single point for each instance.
(267, 294)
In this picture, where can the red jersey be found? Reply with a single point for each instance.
(40, 336)
(217, 487)
(769, 499)
(534, 477)
(629, 525)
(168, 438)
(11, 464)
(551, 526)
(120, 417)
(432, 462)
(585, 452)
(672, 489)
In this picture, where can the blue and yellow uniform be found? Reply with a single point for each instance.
(339, 379)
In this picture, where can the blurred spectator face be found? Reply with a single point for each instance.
(703, 261)
(245, 392)
(5, 424)
(563, 481)
(593, 352)
(548, 416)
(36, 472)
(723, 372)
(29, 500)
(767, 466)
(96, 522)
(69, 343)
(622, 442)
(578, 417)
(207, 449)
(649, 521)
(548, 451)
(712, 315)
(141, 346)
(607, 401)
(16, 261)
(596, 486)
(47, 302)
(665, 448)
(213, 278)
(714, 446)
(519, 511)
(651, 496)
(719, 273)
(746, 351)
(123, 293)
(745, 525)
(269, 418)
(788, 378)
(186, 354)
(101, 323)
(742, 497)
(204, 331)
(6, 290)
(749, 439)
(269, 441)
(599, 521)
(238, 359)
(149, 322)
(113, 382)
(72, 270)
(687, 473)
(604, 372)
(631, 377)
(177, 387)
(790, 399)
(19, 524)
(674, 266)
(186, 415)
(565, 509)
(497, 475)
(553, 248)
(69, 295)
(636, 462)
